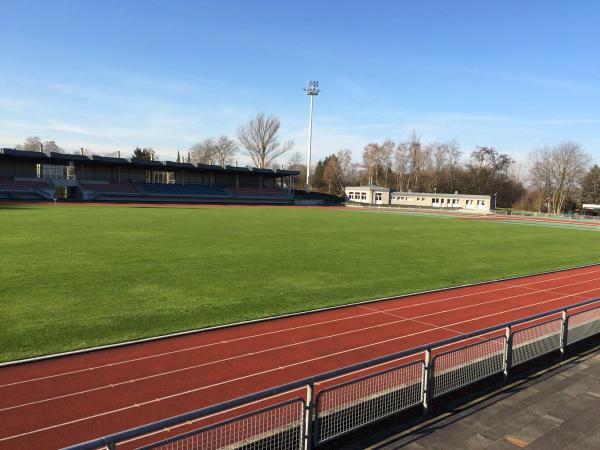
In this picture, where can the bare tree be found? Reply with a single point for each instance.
(377, 159)
(203, 152)
(384, 160)
(401, 166)
(32, 143)
(224, 151)
(453, 160)
(332, 175)
(296, 162)
(557, 172)
(50, 146)
(370, 162)
(486, 164)
(260, 138)
(418, 160)
(344, 158)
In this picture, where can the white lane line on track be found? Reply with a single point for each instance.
(412, 320)
(556, 291)
(196, 366)
(280, 368)
(258, 335)
(231, 358)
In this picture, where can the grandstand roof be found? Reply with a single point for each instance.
(9, 154)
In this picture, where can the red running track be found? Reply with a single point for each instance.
(62, 401)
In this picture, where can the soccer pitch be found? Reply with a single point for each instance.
(79, 276)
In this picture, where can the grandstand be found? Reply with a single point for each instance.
(28, 175)
(24, 188)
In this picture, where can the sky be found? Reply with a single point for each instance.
(112, 75)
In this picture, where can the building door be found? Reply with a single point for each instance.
(61, 193)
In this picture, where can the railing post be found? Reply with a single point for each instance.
(427, 381)
(309, 435)
(508, 352)
(564, 335)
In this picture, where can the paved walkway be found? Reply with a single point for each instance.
(560, 410)
(550, 408)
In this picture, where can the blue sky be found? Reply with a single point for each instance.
(116, 74)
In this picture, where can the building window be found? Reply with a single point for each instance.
(54, 172)
(377, 196)
(363, 195)
(160, 177)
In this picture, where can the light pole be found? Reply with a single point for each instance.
(311, 89)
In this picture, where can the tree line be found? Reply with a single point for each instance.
(559, 178)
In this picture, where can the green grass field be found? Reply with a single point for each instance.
(79, 276)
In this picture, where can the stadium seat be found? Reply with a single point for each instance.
(9, 184)
(185, 190)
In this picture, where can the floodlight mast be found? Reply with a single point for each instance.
(311, 89)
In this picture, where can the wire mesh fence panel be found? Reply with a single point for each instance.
(278, 427)
(583, 325)
(531, 342)
(350, 405)
(463, 366)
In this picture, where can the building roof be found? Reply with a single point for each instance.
(372, 187)
(440, 194)
(10, 154)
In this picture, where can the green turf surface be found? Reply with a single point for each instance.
(80, 276)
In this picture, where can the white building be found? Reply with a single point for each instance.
(371, 194)
(445, 201)
(590, 206)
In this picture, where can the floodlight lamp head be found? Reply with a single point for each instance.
(312, 87)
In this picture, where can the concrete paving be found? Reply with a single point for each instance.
(561, 410)
(547, 407)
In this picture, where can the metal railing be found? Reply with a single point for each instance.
(340, 401)
(535, 214)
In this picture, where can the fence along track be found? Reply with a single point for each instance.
(321, 416)
(355, 403)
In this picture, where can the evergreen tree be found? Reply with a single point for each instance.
(317, 179)
(590, 186)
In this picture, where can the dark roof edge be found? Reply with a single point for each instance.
(134, 162)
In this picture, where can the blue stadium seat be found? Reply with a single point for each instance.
(185, 190)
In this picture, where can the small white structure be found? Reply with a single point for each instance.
(590, 206)
(446, 201)
(371, 194)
